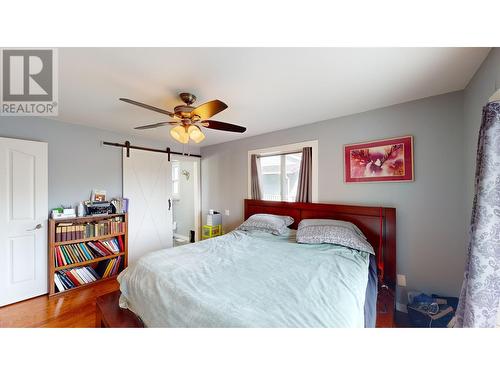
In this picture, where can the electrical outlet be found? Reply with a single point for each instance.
(401, 280)
(226, 212)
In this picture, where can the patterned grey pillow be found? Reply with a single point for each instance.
(274, 224)
(346, 224)
(343, 233)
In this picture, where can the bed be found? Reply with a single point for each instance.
(256, 279)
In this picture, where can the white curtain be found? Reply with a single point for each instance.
(480, 295)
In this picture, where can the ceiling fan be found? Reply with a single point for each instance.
(188, 120)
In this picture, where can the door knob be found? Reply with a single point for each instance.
(38, 226)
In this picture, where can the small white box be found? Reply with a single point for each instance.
(214, 219)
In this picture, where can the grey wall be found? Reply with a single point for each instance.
(184, 207)
(77, 161)
(430, 211)
(484, 83)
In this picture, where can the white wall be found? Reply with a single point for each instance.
(430, 211)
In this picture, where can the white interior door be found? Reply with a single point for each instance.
(147, 183)
(23, 219)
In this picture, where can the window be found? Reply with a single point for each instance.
(279, 171)
(280, 175)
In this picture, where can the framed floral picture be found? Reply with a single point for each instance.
(385, 160)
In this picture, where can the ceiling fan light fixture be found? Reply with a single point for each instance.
(190, 119)
(195, 133)
(180, 134)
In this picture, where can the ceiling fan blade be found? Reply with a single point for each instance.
(157, 125)
(147, 106)
(217, 125)
(209, 109)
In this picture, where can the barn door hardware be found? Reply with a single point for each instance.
(128, 146)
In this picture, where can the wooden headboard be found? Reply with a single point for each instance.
(366, 218)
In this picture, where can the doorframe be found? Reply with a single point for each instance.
(197, 190)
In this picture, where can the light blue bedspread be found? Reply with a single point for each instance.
(246, 279)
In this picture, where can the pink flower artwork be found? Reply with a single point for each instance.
(377, 161)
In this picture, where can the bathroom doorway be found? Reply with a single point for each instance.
(186, 202)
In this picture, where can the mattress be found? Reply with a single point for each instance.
(249, 279)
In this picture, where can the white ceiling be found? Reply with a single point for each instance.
(267, 89)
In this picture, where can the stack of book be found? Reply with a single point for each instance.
(106, 247)
(70, 254)
(74, 277)
(71, 278)
(84, 251)
(109, 267)
(74, 231)
(113, 244)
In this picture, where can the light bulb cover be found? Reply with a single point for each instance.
(195, 133)
(180, 134)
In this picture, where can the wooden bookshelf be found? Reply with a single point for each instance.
(83, 220)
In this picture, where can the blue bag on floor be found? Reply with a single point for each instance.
(420, 318)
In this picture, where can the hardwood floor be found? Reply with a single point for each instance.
(75, 310)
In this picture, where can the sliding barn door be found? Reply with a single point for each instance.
(23, 219)
(147, 183)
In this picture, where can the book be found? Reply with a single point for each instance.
(89, 274)
(72, 249)
(64, 283)
(116, 268)
(72, 278)
(103, 248)
(68, 283)
(111, 245)
(58, 283)
(80, 251)
(101, 267)
(77, 276)
(59, 260)
(108, 268)
(96, 249)
(73, 253)
(120, 243)
(68, 260)
(86, 250)
(93, 272)
(82, 275)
